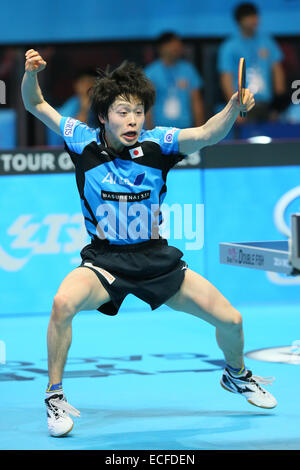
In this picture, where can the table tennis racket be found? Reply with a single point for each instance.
(242, 84)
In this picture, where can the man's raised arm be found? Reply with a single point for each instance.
(31, 93)
(216, 128)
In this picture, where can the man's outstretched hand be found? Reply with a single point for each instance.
(248, 101)
(34, 62)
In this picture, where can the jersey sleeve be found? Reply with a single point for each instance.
(76, 134)
(166, 138)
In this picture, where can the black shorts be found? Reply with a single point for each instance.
(153, 271)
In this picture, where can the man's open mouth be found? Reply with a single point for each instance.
(130, 134)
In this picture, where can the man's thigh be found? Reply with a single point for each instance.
(199, 297)
(83, 289)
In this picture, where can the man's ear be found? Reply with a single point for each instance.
(101, 119)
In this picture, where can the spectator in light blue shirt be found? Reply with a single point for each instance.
(177, 83)
(265, 76)
(78, 105)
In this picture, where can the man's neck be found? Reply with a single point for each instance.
(116, 146)
(168, 61)
(247, 34)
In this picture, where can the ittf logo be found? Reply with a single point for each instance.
(137, 152)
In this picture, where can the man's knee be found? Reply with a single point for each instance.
(63, 308)
(233, 320)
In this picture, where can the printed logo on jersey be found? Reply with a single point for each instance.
(69, 127)
(128, 197)
(137, 152)
(169, 136)
(115, 179)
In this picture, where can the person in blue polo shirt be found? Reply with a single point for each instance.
(177, 84)
(265, 75)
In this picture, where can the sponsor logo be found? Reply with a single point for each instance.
(42, 237)
(136, 152)
(69, 127)
(35, 162)
(115, 179)
(109, 277)
(169, 136)
(281, 354)
(128, 197)
(239, 256)
(252, 259)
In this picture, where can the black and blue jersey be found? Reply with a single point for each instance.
(121, 193)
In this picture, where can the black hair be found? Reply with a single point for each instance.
(166, 37)
(244, 9)
(127, 80)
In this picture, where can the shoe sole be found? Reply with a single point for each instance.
(249, 401)
(64, 434)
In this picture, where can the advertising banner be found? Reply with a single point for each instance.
(244, 205)
(42, 228)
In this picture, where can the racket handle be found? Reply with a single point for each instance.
(243, 114)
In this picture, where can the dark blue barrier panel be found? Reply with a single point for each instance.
(273, 130)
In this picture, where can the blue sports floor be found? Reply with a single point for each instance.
(150, 380)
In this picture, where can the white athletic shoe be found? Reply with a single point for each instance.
(58, 410)
(248, 386)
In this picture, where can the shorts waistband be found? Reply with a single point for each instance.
(155, 243)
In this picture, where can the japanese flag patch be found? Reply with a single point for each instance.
(137, 152)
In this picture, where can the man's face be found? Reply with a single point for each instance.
(124, 122)
(83, 84)
(249, 24)
(172, 50)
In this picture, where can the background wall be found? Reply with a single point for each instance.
(70, 20)
(42, 232)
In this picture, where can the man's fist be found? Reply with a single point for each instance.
(248, 100)
(34, 62)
